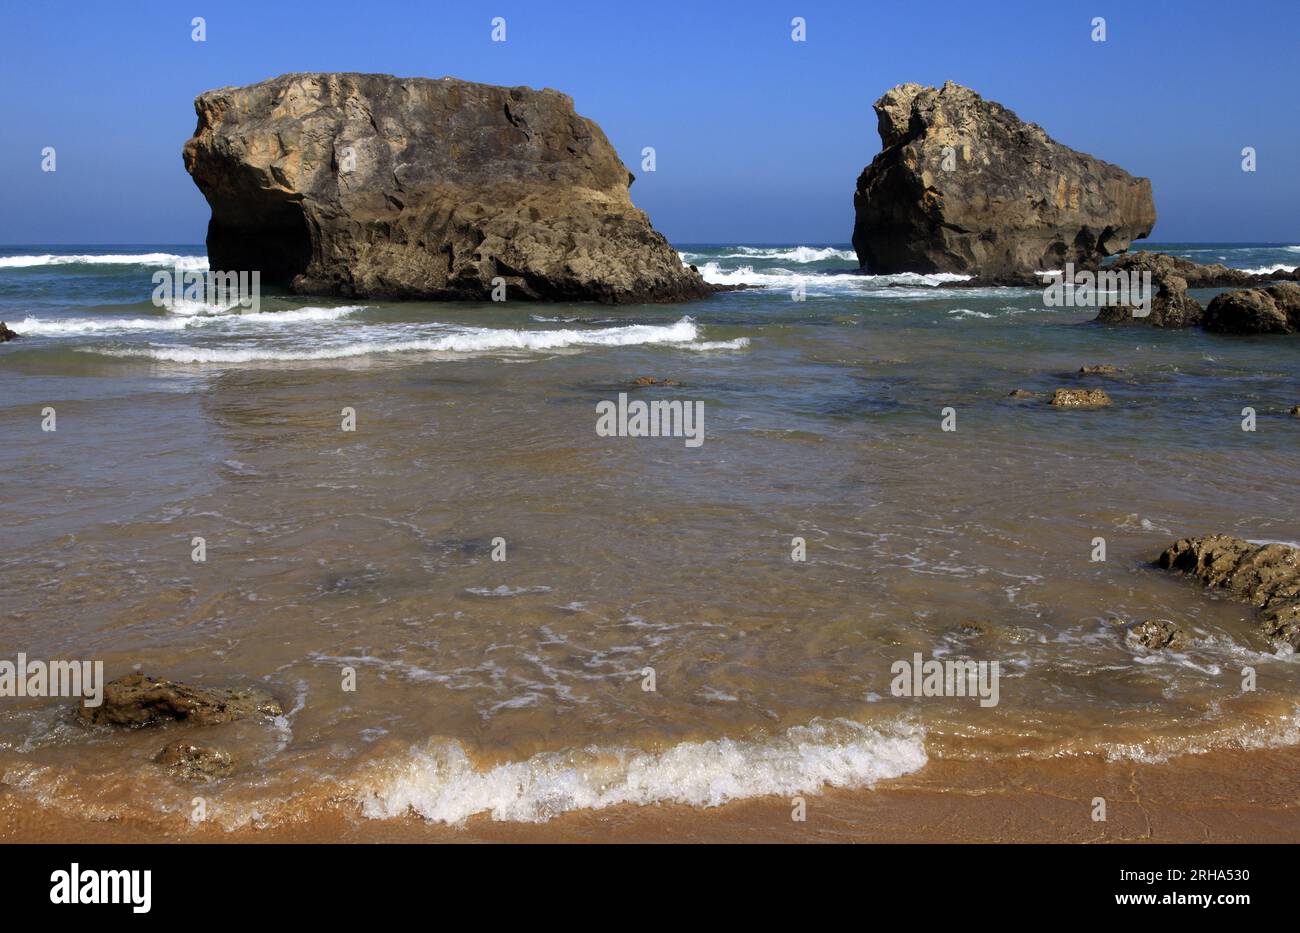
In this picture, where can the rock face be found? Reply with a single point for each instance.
(1272, 310)
(963, 185)
(137, 700)
(375, 186)
(5, 333)
(1265, 575)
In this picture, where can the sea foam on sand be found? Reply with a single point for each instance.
(438, 781)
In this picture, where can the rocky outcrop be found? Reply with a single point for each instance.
(1272, 310)
(1171, 307)
(374, 186)
(1265, 575)
(1099, 369)
(1195, 274)
(5, 333)
(963, 185)
(1079, 398)
(138, 700)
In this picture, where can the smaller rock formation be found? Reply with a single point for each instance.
(191, 762)
(1020, 393)
(964, 185)
(1156, 634)
(1099, 369)
(1079, 398)
(5, 333)
(138, 700)
(1171, 307)
(1272, 310)
(1195, 274)
(1265, 575)
(652, 381)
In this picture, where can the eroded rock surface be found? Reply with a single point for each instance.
(374, 186)
(1272, 310)
(139, 700)
(964, 185)
(1079, 398)
(1265, 575)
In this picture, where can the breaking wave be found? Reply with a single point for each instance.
(109, 259)
(438, 781)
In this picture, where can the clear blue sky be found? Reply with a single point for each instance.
(759, 138)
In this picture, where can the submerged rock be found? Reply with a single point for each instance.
(1079, 398)
(963, 185)
(1272, 310)
(5, 333)
(376, 186)
(1158, 633)
(1265, 575)
(1099, 369)
(652, 381)
(138, 700)
(1021, 393)
(195, 762)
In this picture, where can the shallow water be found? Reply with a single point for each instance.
(516, 687)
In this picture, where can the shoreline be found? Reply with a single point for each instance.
(1238, 796)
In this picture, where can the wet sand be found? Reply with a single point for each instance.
(1224, 797)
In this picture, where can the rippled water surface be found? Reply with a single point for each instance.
(516, 687)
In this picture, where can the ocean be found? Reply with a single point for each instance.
(537, 619)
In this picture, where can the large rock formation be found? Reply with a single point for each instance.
(963, 185)
(375, 186)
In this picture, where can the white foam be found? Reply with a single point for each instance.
(840, 281)
(438, 781)
(461, 340)
(54, 327)
(109, 259)
(801, 254)
(1268, 270)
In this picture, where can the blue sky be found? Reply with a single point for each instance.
(758, 138)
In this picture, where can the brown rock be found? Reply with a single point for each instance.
(195, 762)
(137, 700)
(964, 185)
(652, 381)
(1020, 393)
(1171, 307)
(1079, 398)
(1100, 369)
(1265, 575)
(5, 333)
(370, 185)
(1158, 633)
(1272, 310)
